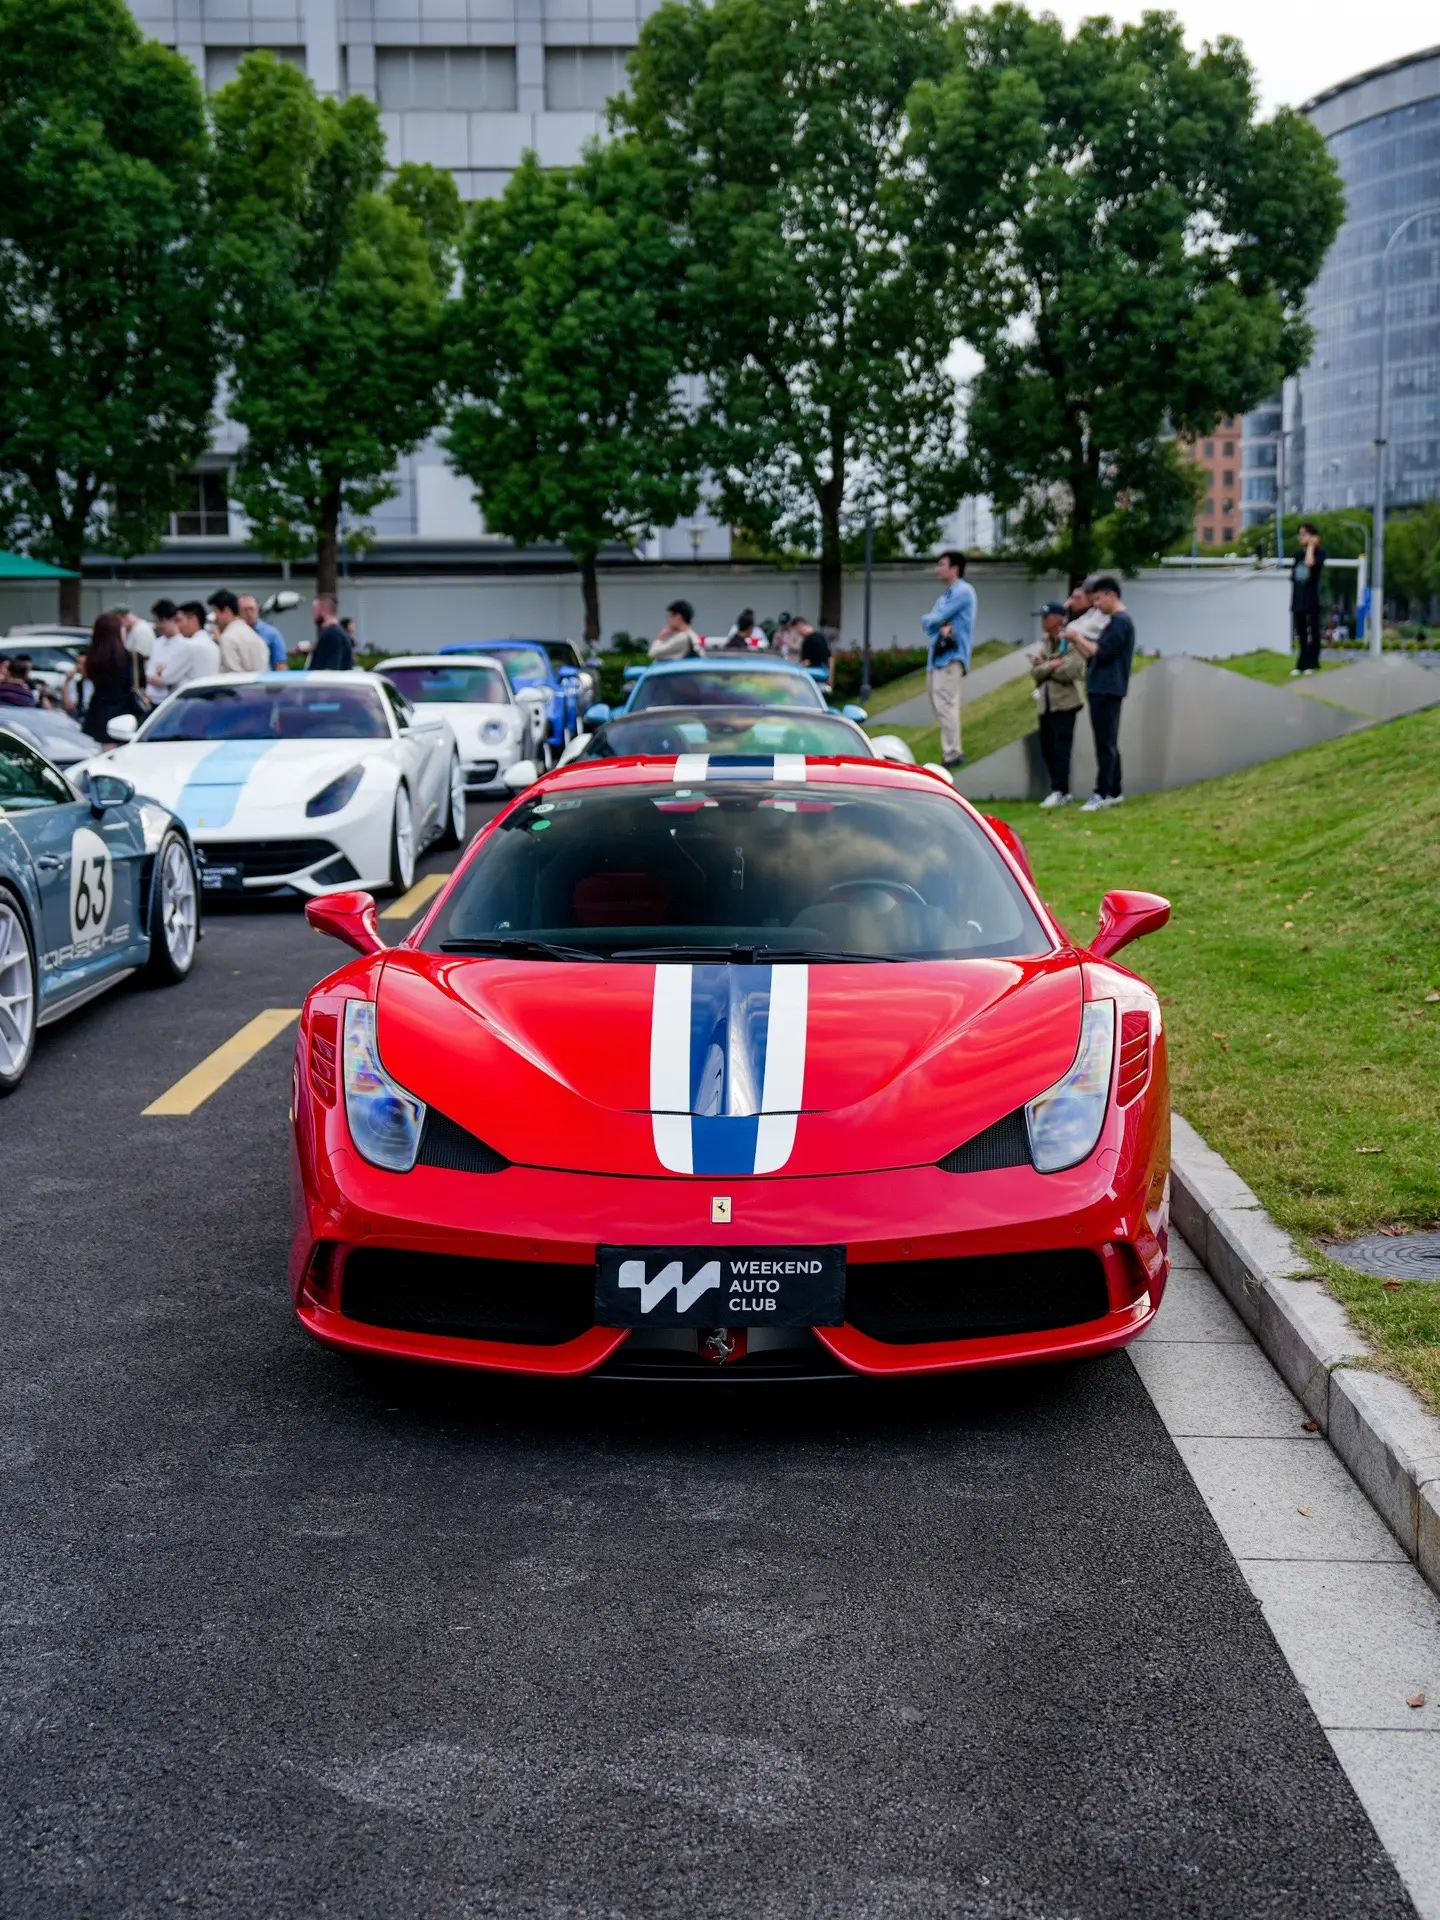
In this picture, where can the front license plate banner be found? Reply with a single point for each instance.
(720, 1286)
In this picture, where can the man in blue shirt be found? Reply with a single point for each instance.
(272, 636)
(949, 627)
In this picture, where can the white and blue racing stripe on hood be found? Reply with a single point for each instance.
(211, 794)
(694, 769)
(727, 1066)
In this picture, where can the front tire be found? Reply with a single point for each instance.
(174, 914)
(452, 833)
(402, 843)
(17, 992)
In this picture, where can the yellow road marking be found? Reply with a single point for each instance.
(212, 1073)
(409, 904)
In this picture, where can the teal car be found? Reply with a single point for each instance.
(96, 884)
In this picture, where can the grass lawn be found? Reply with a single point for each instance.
(1301, 980)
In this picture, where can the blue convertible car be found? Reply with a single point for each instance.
(92, 889)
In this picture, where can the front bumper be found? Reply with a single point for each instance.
(293, 853)
(543, 1227)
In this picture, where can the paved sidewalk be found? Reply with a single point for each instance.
(917, 711)
(1352, 1616)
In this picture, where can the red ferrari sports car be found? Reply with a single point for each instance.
(733, 1068)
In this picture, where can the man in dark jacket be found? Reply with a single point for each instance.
(1305, 570)
(1107, 681)
(334, 651)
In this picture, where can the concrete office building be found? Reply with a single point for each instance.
(463, 84)
(1383, 128)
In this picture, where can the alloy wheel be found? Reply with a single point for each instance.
(404, 840)
(17, 992)
(178, 910)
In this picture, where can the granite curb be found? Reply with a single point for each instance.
(1382, 1431)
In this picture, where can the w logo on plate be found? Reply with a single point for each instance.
(671, 1278)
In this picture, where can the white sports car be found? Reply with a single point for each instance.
(493, 729)
(307, 781)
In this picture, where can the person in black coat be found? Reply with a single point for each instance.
(334, 650)
(106, 691)
(1107, 681)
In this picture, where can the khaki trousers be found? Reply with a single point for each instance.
(944, 689)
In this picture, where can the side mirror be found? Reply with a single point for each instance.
(109, 790)
(349, 917)
(596, 714)
(123, 727)
(889, 746)
(280, 602)
(523, 774)
(573, 750)
(940, 773)
(857, 714)
(1126, 916)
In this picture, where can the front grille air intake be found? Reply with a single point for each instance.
(529, 1302)
(911, 1301)
(444, 1143)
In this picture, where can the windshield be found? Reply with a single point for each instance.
(780, 871)
(728, 730)
(739, 687)
(451, 686)
(563, 653)
(270, 710)
(526, 664)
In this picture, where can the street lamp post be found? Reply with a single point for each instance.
(1377, 589)
(869, 565)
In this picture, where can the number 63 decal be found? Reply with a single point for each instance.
(92, 885)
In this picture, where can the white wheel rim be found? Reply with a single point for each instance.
(457, 797)
(404, 839)
(17, 992)
(177, 905)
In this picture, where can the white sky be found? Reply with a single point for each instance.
(1297, 50)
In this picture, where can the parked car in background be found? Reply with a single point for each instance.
(552, 691)
(63, 741)
(95, 884)
(733, 733)
(52, 650)
(493, 731)
(720, 680)
(299, 782)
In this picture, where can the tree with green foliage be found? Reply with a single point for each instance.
(568, 349)
(334, 296)
(1132, 249)
(815, 301)
(1412, 557)
(107, 353)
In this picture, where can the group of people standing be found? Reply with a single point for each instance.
(1085, 656)
(795, 638)
(131, 664)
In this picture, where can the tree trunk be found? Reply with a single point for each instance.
(327, 544)
(590, 588)
(70, 595)
(1082, 524)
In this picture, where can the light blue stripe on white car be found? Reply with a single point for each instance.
(727, 1066)
(211, 794)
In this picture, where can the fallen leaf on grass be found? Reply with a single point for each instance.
(1392, 1286)
(1392, 1233)
(1289, 923)
(1431, 997)
(1369, 1149)
(1416, 1700)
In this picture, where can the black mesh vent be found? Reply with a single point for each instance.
(446, 1144)
(265, 859)
(908, 1301)
(1006, 1144)
(525, 1301)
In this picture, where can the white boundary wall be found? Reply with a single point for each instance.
(1210, 612)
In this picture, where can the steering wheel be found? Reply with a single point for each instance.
(899, 890)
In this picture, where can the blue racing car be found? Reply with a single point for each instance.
(94, 887)
(550, 669)
(719, 680)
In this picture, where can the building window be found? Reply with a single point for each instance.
(1228, 533)
(1209, 449)
(1229, 449)
(437, 79)
(1229, 476)
(223, 63)
(1208, 536)
(582, 79)
(1209, 506)
(206, 512)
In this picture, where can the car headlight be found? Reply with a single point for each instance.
(1065, 1122)
(493, 731)
(339, 793)
(385, 1120)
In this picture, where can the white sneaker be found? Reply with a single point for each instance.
(1057, 799)
(1094, 804)
(1114, 800)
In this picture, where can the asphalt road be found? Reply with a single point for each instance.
(285, 1633)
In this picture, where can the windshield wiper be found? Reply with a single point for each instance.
(521, 946)
(750, 956)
